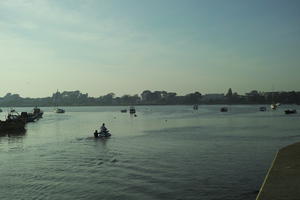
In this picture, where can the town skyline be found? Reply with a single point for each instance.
(147, 97)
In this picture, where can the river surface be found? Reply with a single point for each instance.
(166, 152)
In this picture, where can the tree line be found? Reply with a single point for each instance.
(147, 97)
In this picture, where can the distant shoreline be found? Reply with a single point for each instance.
(76, 98)
(18, 106)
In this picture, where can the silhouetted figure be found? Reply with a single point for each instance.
(103, 128)
(96, 133)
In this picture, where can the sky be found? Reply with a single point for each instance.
(127, 46)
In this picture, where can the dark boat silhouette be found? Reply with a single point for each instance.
(34, 116)
(13, 123)
(132, 110)
(289, 111)
(224, 109)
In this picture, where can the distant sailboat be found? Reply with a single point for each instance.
(274, 105)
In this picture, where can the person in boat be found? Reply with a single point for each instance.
(103, 129)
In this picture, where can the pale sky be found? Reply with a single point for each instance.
(127, 46)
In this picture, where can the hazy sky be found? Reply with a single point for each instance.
(126, 46)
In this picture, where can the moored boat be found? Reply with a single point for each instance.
(224, 109)
(124, 111)
(132, 110)
(289, 111)
(12, 123)
(35, 115)
(59, 110)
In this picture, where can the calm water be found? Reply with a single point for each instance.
(167, 152)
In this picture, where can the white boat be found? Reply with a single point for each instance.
(273, 106)
(59, 110)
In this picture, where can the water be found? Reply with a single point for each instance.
(166, 152)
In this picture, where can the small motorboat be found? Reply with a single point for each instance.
(59, 110)
(289, 111)
(263, 109)
(224, 109)
(101, 134)
(124, 111)
(132, 110)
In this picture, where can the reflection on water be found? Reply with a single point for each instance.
(12, 134)
(166, 152)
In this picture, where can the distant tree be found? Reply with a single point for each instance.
(229, 93)
(108, 99)
(152, 97)
(193, 98)
(146, 96)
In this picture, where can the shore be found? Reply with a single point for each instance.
(282, 181)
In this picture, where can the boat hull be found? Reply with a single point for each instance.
(101, 134)
(12, 125)
(290, 112)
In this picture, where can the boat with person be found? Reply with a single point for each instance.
(103, 133)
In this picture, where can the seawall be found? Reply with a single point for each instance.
(282, 181)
